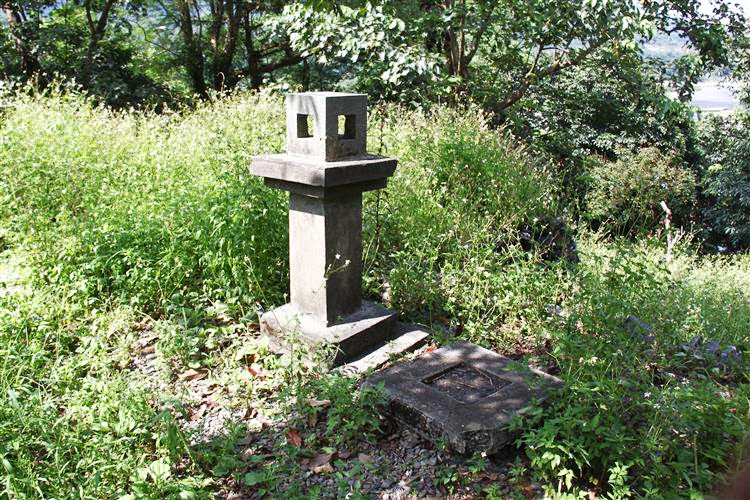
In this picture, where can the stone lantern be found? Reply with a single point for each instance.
(325, 169)
(459, 394)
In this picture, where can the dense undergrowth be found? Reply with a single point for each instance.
(116, 219)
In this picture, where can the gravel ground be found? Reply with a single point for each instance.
(399, 465)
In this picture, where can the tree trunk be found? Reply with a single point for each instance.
(534, 75)
(230, 13)
(255, 69)
(96, 34)
(16, 17)
(192, 52)
(251, 55)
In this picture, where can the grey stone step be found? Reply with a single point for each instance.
(408, 338)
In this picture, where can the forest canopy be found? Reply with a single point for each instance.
(133, 52)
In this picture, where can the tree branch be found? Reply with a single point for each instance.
(480, 34)
(536, 75)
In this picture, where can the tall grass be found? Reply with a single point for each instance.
(656, 409)
(144, 209)
(159, 212)
(117, 216)
(445, 232)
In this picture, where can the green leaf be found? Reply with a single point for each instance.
(254, 478)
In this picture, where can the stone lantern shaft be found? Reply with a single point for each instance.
(325, 255)
(325, 169)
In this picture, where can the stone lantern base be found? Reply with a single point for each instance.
(355, 334)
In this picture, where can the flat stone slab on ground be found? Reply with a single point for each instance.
(463, 394)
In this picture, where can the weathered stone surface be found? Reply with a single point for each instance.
(325, 255)
(408, 338)
(326, 169)
(462, 394)
(370, 325)
(325, 141)
(320, 173)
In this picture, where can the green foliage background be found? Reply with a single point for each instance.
(126, 206)
(115, 218)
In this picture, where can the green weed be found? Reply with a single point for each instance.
(131, 224)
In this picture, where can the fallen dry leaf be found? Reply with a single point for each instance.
(224, 318)
(365, 459)
(198, 413)
(317, 403)
(323, 469)
(211, 390)
(148, 349)
(256, 371)
(293, 437)
(344, 454)
(191, 375)
(144, 341)
(321, 459)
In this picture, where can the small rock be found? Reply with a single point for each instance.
(635, 326)
(712, 346)
(326, 468)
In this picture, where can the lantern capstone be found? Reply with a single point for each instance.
(328, 126)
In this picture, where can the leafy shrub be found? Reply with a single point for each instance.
(726, 181)
(609, 103)
(636, 412)
(437, 238)
(71, 419)
(628, 192)
(350, 413)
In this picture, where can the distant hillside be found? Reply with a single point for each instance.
(665, 47)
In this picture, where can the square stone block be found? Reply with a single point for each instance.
(328, 126)
(463, 394)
